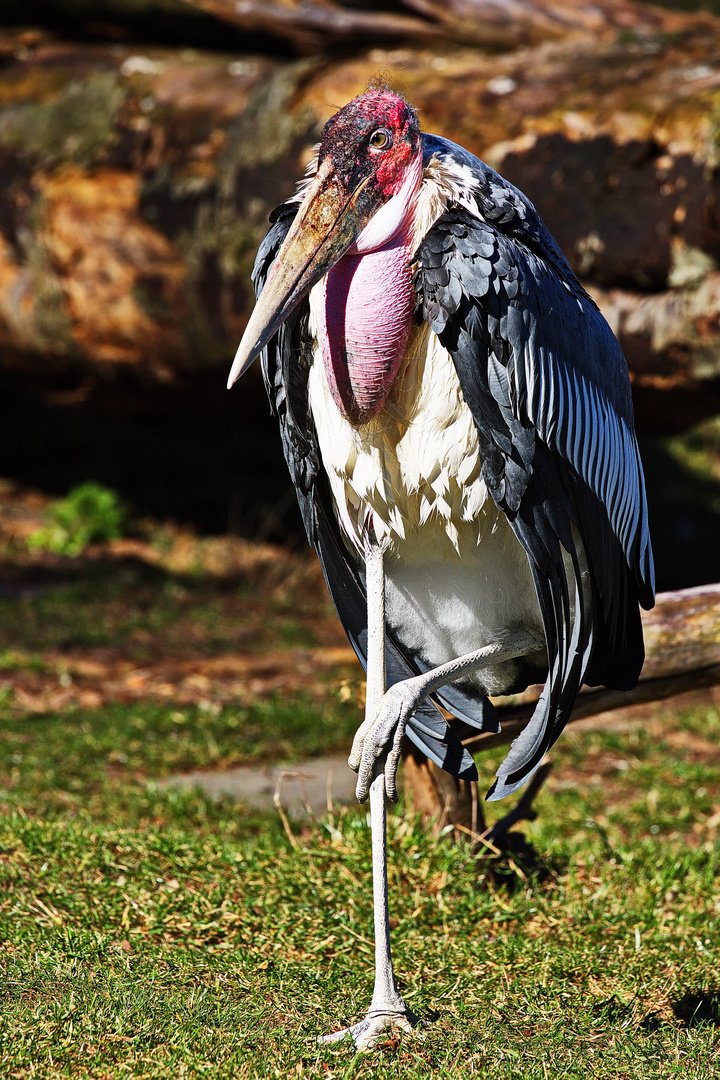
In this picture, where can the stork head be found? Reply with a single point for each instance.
(369, 171)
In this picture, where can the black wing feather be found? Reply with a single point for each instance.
(548, 387)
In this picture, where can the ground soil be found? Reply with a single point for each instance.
(253, 592)
(253, 598)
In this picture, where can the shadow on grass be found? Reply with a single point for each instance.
(516, 862)
(698, 1007)
(614, 1011)
(60, 571)
(694, 1009)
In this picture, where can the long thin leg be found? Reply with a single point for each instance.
(386, 999)
(387, 1008)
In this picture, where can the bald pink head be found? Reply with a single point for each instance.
(375, 137)
(354, 229)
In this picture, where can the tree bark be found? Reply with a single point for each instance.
(441, 799)
(135, 186)
(682, 643)
(324, 23)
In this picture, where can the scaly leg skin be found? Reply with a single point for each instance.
(379, 740)
(388, 1012)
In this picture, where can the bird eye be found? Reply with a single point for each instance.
(380, 139)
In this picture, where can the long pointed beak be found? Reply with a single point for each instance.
(328, 222)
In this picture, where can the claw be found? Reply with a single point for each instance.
(383, 736)
(357, 746)
(368, 1032)
(361, 790)
(391, 764)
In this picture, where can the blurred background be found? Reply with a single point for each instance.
(144, 142)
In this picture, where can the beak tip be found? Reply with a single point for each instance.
(241, 362)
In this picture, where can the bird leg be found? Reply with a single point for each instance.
(387, 1009)
(379, 740)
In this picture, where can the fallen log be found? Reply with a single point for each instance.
(318, 24)
(682, 643)
(134, 188)
(323, 25)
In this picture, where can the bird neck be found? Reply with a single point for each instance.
(367, 314)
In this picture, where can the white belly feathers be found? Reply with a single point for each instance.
(457, 578)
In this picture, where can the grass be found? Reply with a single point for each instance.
(156, 933)
(101, 759)
(153, 932)
(130, 609)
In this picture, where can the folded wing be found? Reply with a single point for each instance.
(548, 388)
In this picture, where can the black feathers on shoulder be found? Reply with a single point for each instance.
(547, 384)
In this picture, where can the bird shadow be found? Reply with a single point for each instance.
(694, 1009)
(613, 1010)
(698, 1007)
(513, 861)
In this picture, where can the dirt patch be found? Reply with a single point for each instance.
(162, 615)
(305, 788)
(78, 682)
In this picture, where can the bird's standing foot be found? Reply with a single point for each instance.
(383, 735)
(377, 1024)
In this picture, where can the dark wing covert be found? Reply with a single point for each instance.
(548, 387)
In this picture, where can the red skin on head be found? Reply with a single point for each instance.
(346, 141)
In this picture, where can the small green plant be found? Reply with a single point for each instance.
(89, 512)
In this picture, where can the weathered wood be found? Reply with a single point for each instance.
(322, 23)
(315, 25)
(682, 643)
(440, 798)
(134, 187)
(311, 26)
(595, 702)
(179, 22)
(669, 339)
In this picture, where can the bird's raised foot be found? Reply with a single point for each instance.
(383, 736)
(378, 1024)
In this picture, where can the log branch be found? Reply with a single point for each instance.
(136, 184)
(322, 23)
(439, 797)
(682, 642)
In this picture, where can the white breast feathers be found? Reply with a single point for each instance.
(456, 577)
(415, 467)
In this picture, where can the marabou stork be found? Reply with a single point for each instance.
(456, 416)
